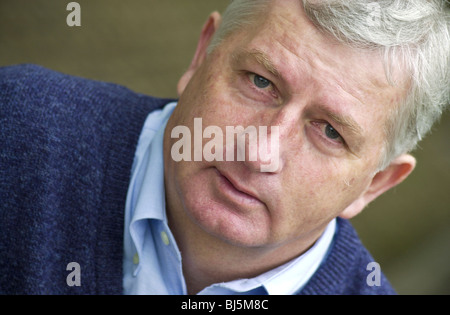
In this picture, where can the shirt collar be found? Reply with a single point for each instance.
(148, 200)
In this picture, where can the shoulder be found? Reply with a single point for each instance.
(34, 84)
(44, 111)
(349, 268)
(34, 100)
(61, 132)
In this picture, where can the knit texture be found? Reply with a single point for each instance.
(66, 150)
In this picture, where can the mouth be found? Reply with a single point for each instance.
(235, 191)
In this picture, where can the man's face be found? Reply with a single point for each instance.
(331, 104)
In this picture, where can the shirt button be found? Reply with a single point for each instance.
(165, 238)
(136, 259)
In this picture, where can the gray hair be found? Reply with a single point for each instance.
(412, 35)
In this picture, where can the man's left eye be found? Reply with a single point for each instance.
(331, 133)
(260, 81)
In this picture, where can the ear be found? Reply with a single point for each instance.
(208, 30)
(382, 181)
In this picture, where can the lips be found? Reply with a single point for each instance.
(233, 187)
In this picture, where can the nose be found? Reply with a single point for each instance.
(258, 148)
(277, 142)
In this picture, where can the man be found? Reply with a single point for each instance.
(344, 95)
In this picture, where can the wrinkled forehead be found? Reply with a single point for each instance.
(298, 26)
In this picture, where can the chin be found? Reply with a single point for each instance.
(219, 217)
(230, 227)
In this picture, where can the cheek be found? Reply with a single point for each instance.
(211, 104)
(316, 191)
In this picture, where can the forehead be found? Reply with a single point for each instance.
(292, 41)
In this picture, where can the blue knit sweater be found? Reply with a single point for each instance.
(66, 149)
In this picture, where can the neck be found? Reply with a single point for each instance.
(208, 259)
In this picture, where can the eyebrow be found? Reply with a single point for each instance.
(260, 57)
(345, 121)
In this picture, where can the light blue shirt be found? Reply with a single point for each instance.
(152, 261)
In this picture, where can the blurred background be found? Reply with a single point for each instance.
(147, 44)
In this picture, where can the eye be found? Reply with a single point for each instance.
(331, 133)
(260, 81)
(328, 132)
(257, 88)
(326, 138)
